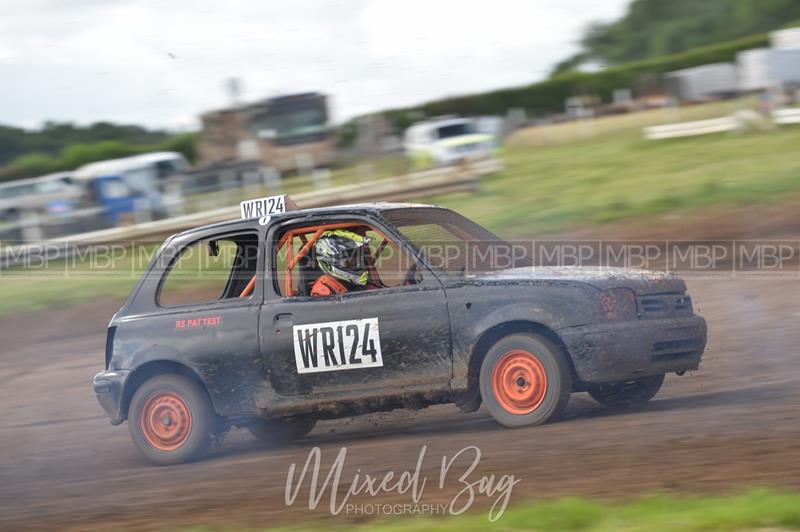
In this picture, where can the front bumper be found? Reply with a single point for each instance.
(109, 386)
(629, 349)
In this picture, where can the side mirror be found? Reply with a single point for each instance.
(213, 248)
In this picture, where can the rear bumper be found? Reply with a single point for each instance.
(109, 386)
(624, 350)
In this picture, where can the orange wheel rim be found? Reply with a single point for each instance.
(166, 421)
(519, 382)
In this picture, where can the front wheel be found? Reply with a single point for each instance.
(525, 380)
(171, 420)
(626, 393)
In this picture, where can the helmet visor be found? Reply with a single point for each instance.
(353, 259)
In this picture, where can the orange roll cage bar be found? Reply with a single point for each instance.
(308, 243)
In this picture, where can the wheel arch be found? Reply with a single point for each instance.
(151, 369)
(489, 337)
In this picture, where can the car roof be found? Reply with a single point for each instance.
(435, 123)
(372, 208)
(40, 179)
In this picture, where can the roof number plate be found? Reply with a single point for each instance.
(258, 208)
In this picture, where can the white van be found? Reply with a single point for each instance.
(447, 141)
(147, 178)
(144, 172)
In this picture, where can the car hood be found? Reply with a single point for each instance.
(640, 281)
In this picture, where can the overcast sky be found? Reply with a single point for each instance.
(161, 63)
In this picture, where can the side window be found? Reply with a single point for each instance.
(392, 264)
(164, 169)
(297, 269)
(211, 269)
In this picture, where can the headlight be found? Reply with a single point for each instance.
(618, 304)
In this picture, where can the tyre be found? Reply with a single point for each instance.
(626, 393)
(525, 380)
(276, 432)
(171, 420)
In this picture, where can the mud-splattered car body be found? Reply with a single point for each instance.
(430, 331)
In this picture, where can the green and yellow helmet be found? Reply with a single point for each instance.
(343, 254)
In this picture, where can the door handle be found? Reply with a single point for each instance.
(284, 320)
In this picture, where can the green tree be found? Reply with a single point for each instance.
(34, 163)
(653, 28)
(79, 154)
(53, 137)
(184, 143)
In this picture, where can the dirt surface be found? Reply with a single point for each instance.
(733, 424)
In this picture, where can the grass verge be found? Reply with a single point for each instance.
(754, 510)
(607, 172)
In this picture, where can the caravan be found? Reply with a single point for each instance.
(132, 185)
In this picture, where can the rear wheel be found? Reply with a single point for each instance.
(275, 432)
(626, 393)
(171, 420)
(524, 380)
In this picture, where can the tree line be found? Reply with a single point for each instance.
(65, 146)
(654, 28)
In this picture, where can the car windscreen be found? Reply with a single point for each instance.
(452, 243)
(455, 130)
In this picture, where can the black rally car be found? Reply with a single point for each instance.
(222, 330)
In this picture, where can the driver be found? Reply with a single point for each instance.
(343, 257)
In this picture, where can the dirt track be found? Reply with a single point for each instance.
(733, 424)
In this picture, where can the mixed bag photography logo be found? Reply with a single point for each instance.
(452, 488)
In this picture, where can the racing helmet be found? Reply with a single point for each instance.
(343, 254)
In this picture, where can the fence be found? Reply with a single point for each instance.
(691, 129)
(786, 116)
(205, 191)
(420, 184)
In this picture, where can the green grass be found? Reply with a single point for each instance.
(757, 509)
(112, 273)
(108, 273)
(754, 510)
(568, 178)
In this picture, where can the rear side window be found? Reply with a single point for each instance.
(211, 269)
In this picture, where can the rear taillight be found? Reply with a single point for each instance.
(110, 344)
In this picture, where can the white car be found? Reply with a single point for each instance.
(447, 141)
(49, 194)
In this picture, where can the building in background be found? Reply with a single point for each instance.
(706, 82)
(786, 39)
(772, 69)
(287, 133)
(754, 74)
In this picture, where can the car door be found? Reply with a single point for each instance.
(371, 343)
